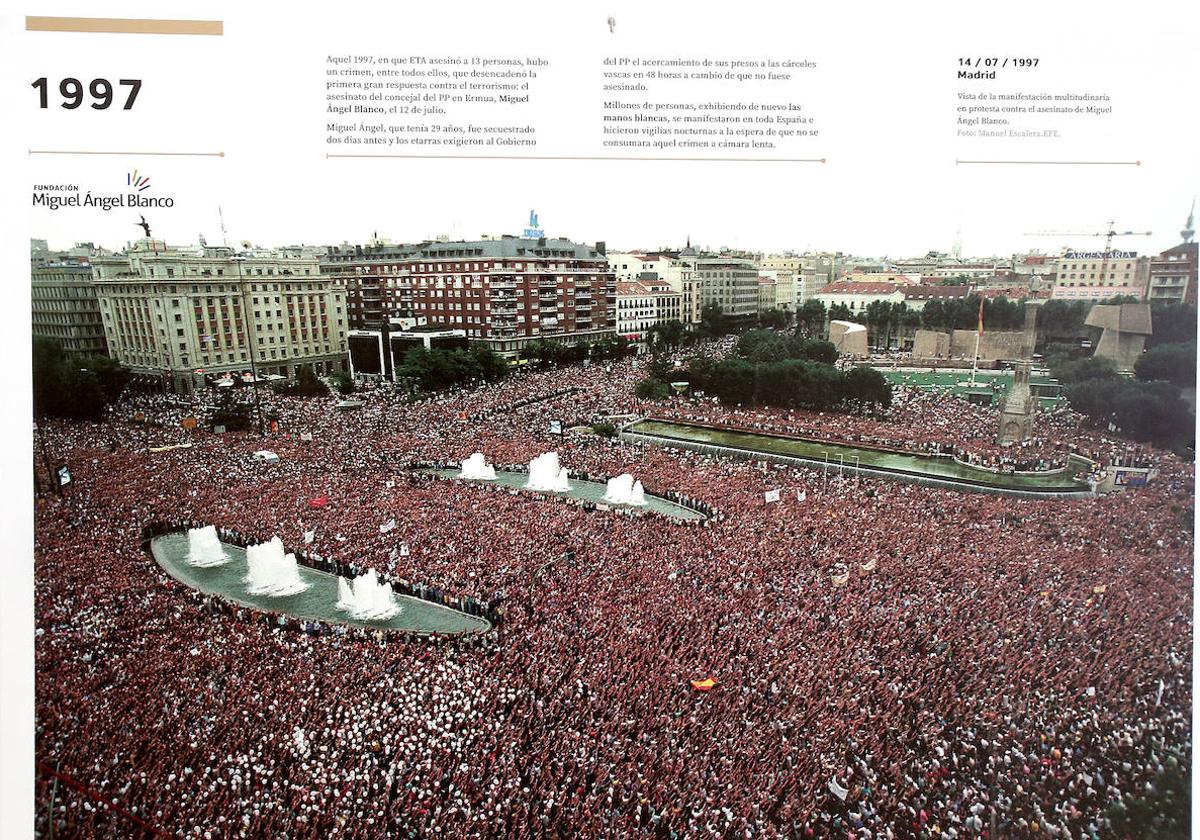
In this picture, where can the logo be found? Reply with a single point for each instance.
(58, 196)
(1100, 255)
(533, 231)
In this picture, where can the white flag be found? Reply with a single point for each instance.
(403, 551)
(869, 567)
(387, 526)
(837, 790)
(801, 495)
(309, 536)
(306, 436)
(771, 496)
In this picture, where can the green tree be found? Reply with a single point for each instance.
(610, 348)
(112, 376)
(1151, 412)
(1161, 811)
(306, 385)
(733, 381)
(1081, 370)
(933, 316)
(433, 370)
(343, 382)
(762, 346)
(810, 319)
(660, 367)
(492, 366)
(700, 371)
(1002, 314)
(652, 389)
(65, 386)
(776, 319)
(605, 429)
(1063, 319)
(667, 334)
(1173, 323)
(867, 386)
(813, 349)
(1170, 363)
(840, 312)
(713, 321)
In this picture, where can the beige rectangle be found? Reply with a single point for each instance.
(128, 26)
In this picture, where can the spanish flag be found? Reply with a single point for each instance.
(704, 684)
(981, 316)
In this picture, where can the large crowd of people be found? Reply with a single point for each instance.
(861, 659)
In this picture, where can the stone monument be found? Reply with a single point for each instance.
(849, 338)
(1018, 408)
(1016, 413)
(1125, 329)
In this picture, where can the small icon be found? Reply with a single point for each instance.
(133, 179)
(612, 24)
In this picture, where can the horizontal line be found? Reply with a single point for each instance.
(1059, 162)
(132, 154)
(584, 157)
(126, 26)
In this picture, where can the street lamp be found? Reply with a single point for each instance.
(237, 260)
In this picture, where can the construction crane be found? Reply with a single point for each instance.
(1108, 235)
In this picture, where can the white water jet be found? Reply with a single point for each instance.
(204, 548)
(623, 490)
(547, 475)
(366, 599)
(271, 572)
(638, 496)
(476, 469)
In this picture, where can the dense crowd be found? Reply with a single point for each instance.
(887, 660)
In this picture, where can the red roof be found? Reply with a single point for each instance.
(935, 292)
(850, 287)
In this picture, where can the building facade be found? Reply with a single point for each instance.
(915, 297)
(181, 313)
(642, 304)
(1173, 275)
(857, 296)
(1100, 275)
(730, 282)
(768, 291)
(66, 308)
(506, 292)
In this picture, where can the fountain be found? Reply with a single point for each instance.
(623, 490)
(366, 599)
(204, 548)
(476, 469)
(271, 572)
(546, 475)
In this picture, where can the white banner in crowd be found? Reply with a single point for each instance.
(771, 496)
(387, 526)
(309, 536)
(837, 790)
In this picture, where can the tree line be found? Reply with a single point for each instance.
(1149, 408)
(771, 368)
(76, 387)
